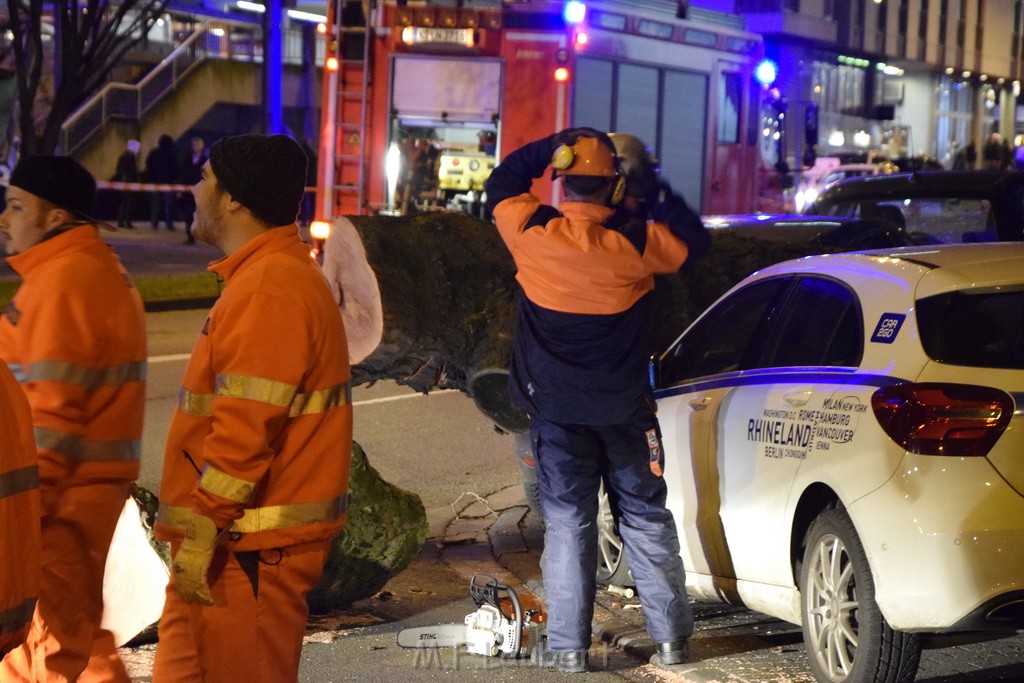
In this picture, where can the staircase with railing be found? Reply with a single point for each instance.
(130, 102)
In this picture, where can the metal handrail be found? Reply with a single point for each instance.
(130, 101)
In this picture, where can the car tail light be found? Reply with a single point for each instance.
(943, 419)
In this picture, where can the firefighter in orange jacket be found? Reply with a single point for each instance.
(257, 460)
(578, 368)
(19, 514)
(74, 337)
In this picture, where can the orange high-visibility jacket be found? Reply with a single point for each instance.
(19, 514)
(262, 436)
(75, 338)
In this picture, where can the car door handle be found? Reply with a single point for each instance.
(700, 403)
(797, 398)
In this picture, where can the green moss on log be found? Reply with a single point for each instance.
(386, 527)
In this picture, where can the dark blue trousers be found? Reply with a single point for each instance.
(571, 462)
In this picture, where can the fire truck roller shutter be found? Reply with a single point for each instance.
(462, 91)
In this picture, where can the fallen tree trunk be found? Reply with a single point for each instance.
(447, 286)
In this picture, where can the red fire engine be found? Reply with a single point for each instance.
(421, 98)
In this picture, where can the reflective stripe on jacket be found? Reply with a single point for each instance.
(75, 337)
(262, 436)
(19, 514)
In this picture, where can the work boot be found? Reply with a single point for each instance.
(676, 652)
(571, 662)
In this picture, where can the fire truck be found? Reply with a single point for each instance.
(422, 98)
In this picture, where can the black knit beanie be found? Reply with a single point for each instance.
(60, 180)
(265, 173)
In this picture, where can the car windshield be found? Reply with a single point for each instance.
(976, 329)
(928, 220)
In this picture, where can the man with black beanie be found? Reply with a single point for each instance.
(75, 338)
(257, 459)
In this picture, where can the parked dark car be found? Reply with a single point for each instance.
(817, 233)
(934, 207)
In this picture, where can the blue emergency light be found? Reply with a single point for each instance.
(766, 72)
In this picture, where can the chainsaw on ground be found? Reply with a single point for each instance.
(504, 623)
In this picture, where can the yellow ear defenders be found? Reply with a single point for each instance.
(562, 158)
(619, 191)
(590, 156)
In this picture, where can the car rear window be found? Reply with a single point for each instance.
(976, 329)
(945, 220)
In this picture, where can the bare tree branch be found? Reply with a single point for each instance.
(89, 41)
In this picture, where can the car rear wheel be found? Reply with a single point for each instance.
(845, 634)
(612, 567)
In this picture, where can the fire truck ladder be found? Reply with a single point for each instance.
(342, 184)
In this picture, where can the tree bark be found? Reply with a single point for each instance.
(448, 290)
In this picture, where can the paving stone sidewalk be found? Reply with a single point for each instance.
(730, 644)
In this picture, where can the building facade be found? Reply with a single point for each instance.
(904, 78)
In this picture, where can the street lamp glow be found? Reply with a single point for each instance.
(320, 230)
(575, 12)
(392, 167)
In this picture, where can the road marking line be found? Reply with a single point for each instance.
(387, 399)
(170, 358)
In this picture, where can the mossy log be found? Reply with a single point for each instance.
(448, 290)
(385, 529)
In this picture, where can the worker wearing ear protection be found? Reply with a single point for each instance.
(579, 368)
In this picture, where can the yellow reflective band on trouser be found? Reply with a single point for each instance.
(18, 616)
(265, 518)
(78, 448)
(90, 378)
(267, 391)
(19, 481)
(226, 486)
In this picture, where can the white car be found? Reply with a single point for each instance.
(844, 445)
(809, 193)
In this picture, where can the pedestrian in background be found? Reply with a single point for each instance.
(191, 173)
(127, 171)
(257, 459)
(162, 168)
(74, 336)
(579, 369)
(994, 153)
(965, 158)
(19, 514)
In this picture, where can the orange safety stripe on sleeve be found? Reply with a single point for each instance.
(224, 485)
(19, 481)
(265, 518)
(17, 617)
(90, 378)
(266, 391)
(81, 449)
